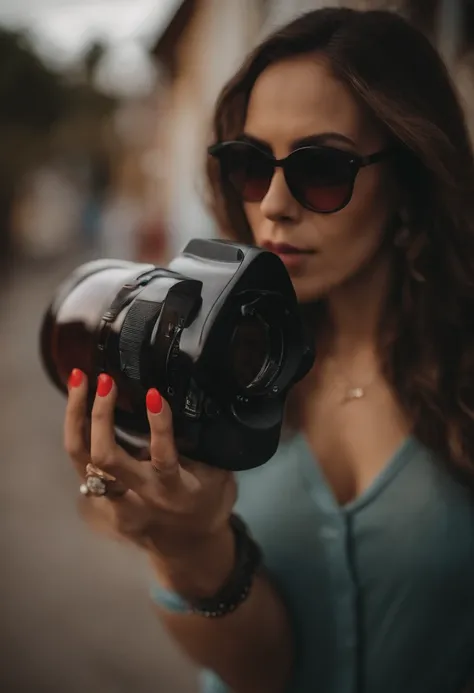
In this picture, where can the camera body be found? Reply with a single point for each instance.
(218, 333)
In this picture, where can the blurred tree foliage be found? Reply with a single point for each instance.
(42, 113)
(92, 59)
(30, 94)
(31, 100)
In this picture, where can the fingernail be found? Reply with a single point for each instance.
(154, 401)
(104, 384)
(76, 378)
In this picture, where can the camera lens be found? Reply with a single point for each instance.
(255, 352)
(249, 350)
(120, 318)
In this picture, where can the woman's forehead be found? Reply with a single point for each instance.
(300, 97)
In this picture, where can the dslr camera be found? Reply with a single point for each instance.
(218, 333)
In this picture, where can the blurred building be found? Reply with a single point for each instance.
(198, 50)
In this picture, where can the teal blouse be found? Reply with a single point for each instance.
(381, 590)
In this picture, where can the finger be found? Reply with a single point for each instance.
(163, 453)
(105, 453)
(121, 519)
(75, 421)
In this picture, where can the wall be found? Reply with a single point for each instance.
(211, 48)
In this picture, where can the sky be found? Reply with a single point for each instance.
(63, 28)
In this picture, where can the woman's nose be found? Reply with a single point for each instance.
(279, 203)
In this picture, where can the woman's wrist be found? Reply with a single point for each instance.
(216, 580)
(200, 568)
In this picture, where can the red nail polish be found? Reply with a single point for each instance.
(104, 384)
(154, 401)
(76, 378)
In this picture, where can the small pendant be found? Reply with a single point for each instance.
(355, 393)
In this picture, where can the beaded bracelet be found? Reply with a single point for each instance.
(234, 592)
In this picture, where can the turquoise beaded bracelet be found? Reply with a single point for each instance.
(171, 601)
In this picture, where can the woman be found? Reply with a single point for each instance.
(365, 516)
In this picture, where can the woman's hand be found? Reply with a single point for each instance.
(177, 508)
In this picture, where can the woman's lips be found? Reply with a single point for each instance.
(291, 256)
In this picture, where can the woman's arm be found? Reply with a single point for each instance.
(251, 649)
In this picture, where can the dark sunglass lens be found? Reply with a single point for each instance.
(248, 170)
(322, 177)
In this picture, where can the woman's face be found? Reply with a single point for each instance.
(296, 99)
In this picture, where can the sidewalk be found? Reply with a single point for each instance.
(75, 611)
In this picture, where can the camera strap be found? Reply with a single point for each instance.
(124, 297)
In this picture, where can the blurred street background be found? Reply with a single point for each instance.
(104, 120)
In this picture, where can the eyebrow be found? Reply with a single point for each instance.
(321, 138)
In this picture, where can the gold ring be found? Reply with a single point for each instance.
(98, 483)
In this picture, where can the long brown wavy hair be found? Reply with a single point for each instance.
(426, 337)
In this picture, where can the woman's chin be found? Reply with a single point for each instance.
(309, 291)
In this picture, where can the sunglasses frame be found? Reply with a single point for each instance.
(355, 163)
